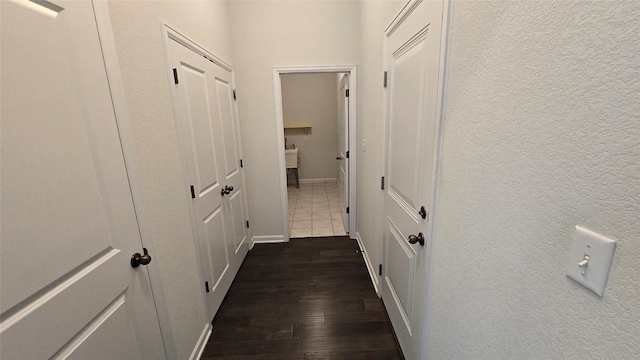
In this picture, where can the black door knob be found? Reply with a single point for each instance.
(226, 191)
(423, 212)
(417, 239)
(137, 259)
(338, 157)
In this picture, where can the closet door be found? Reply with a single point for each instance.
(207, 121)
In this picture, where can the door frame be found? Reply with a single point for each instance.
(437, 155)
(170, 33)
(353, 96)
(121, 112)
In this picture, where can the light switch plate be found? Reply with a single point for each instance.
(599, 251)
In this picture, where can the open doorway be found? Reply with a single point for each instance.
(315, 111)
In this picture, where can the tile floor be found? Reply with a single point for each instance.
(315, 210)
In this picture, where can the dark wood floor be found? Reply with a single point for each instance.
(307, 299)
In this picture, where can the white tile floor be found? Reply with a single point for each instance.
(315, 210)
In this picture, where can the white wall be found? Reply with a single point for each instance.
(312, 99)
(136, 26)
(374, 18)
(280, 33)
(541, 132)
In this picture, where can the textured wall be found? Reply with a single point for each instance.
(280, 33)
(375, 16)
(312, 99)
(541, 132)
(136, 26)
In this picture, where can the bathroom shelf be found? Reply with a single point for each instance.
(306, 129)
(291, 127)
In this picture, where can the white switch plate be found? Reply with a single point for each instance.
(600, 250)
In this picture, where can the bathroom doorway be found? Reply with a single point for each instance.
(316, 111)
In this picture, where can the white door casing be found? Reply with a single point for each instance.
(208, 130)
(68, 222)
(351, 70)
(343, 147)
(412, 59)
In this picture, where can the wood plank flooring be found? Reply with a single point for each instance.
(306, 299)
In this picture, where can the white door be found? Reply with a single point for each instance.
(343, 148)
(208, 122)
(412, 51)
(69, 228)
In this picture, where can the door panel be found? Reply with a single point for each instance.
(216, 248)
(412, 54)
(400, 264)
(69, 226)
(405, 140)
(343, 147)
(206, 117)
(200, 128)
(237, 211)
(229, 135)
(99, 339)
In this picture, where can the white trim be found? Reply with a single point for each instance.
(202, 343)
(268, 239)
(442, 79)
(372, 273)
(118, 97)
(321, 180)
(402, 15)
(353, 139)
(173, 34)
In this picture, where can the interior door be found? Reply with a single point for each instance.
(69, 227)
(412, 51)
(343, 147)
(208, 122)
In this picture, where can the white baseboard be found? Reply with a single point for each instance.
(306, 181)
(365, 254)
(267, 239)
(202, 342)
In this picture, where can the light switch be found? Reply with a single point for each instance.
(590, 259)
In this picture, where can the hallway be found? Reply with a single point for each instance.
(306, 299)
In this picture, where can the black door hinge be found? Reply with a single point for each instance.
(241, 163)
(175, 75)
(193, 192)
(384, 81)
(382, 183)
(347, 209)
(380, 269)
(347, 154)
(347, 93)
(206, 286)
(247, 224)
(234, 95)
